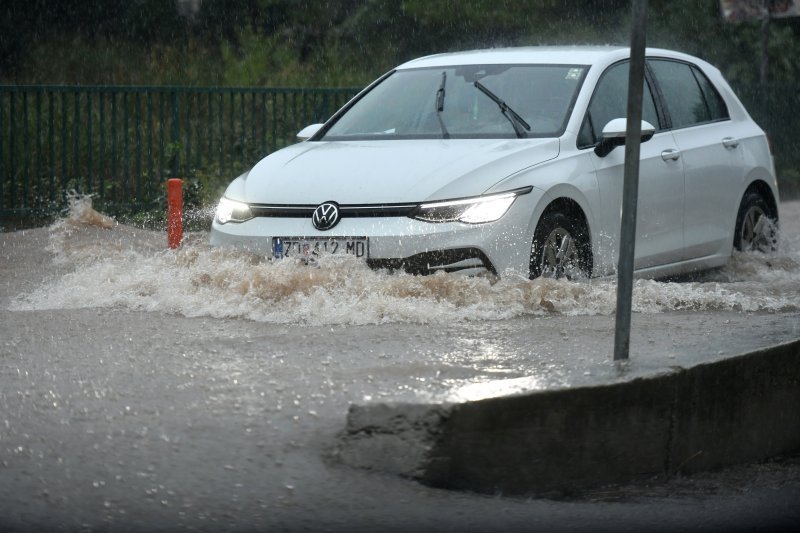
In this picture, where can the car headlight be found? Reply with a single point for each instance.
(476, 210)
(232, 211)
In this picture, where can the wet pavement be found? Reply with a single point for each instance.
(126, 405)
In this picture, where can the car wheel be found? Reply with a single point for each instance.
(561, 248)
(755, 228)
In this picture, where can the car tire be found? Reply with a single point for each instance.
(756, 229)
(561, 248)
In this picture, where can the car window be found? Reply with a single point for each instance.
(404, 105)
(716, 105)
(687, 103)
(610, 101)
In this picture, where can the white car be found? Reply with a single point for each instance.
(507, 161)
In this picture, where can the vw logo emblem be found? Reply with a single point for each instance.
(325, 216)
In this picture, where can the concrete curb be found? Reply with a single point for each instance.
(738, 410)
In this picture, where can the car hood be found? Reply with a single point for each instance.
(396, 171)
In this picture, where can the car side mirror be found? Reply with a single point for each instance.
(614, 135)
(308, 132)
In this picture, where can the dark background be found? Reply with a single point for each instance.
(344, 42)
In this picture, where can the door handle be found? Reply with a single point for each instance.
(671, 155)
(730, 143)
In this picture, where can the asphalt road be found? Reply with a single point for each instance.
(128, 419)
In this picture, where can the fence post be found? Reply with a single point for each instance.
(2, 141)
(175, 135)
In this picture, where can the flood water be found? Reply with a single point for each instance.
(147, 389)
(103, 264)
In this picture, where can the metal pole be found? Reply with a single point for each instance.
(630, 189)
(762, 73)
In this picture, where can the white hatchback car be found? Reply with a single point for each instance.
(506, 161)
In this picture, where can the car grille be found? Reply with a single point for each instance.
(345, 211)
(461, 260)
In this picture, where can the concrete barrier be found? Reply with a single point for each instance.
(560, 442)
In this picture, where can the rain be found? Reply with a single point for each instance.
(205, 388)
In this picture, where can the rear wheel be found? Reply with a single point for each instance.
(561, 248)
(756, 230)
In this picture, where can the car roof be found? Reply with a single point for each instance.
(556, 55)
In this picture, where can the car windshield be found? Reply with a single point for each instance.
(508, 101)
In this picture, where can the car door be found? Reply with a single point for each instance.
(708, 145)
(659, 221)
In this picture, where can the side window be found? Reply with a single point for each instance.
(610, 101)
(716, 105)
(688, 104)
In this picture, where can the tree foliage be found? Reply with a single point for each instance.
(302, 42)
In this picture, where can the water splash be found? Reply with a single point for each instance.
(80, 212)
(120, 266)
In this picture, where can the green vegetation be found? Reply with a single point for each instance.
(341, 43)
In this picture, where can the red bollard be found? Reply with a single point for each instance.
(174, 212)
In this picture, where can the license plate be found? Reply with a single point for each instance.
(307, 247)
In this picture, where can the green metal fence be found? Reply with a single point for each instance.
(777, 111)
(121, 143)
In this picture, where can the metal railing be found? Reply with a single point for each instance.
(122, 143)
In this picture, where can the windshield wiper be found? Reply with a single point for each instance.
(440, 105)
(516, 121)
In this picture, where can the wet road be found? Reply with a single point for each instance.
(120, 410)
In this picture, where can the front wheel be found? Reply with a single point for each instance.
(561, 248)
(756, 229)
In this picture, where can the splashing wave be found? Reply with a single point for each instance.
(120, 266)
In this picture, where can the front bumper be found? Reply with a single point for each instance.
(412, 245)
